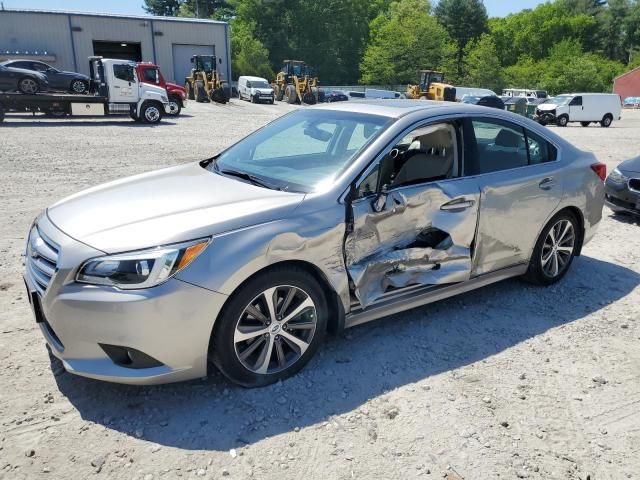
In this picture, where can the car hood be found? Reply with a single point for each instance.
(547, 107)
(262, 90)
(174, 86)
(632, 165)
(167, 206)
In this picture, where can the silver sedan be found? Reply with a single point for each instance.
(327, 218)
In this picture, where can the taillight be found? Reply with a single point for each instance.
(600, 169)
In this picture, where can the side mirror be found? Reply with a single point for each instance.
(381, 200)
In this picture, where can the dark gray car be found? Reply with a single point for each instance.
(59, 80)
(25, 81)
(623, 187)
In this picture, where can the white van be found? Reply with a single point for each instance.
(255, 89)
(602, 108)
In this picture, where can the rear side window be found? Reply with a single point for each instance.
(124, 72)
(503, 146)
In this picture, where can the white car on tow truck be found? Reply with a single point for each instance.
(116, 90)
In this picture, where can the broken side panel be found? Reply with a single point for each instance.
(419, 234)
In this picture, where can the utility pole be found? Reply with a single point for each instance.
(197, 9)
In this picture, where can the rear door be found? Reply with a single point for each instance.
(414, 217)
(123, 85)
(521, 181)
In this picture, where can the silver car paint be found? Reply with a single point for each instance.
(253, 228)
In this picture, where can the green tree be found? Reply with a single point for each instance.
(403, 40)
(249, 56)
(482, 65)
(465, 21)
(164, 8)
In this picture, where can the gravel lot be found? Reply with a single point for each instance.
(508, 382)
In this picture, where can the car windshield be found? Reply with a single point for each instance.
(562, 100)
(259, 84)
(301, 151)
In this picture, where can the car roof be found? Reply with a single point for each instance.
(254, 79)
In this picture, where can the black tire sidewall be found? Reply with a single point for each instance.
(535, 273)
(606, 121)
(143, 109)
(563, 121)
(222, 345)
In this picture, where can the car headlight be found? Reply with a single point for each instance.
(142, 268)
(617, 176)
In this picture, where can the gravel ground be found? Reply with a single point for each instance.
(509, 381)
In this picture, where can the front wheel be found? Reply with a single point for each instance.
(270, 328)
(554, 250)
(151, 112)
(563, 120)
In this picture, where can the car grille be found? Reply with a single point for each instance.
(41, 259)
(634, 184)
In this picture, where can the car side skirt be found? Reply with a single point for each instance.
(413, 297)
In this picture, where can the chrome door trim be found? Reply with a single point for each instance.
(413, 297)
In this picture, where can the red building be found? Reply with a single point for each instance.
(628, 84)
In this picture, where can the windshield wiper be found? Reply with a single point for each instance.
(247, 176)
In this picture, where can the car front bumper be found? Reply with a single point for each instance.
(84, 324)
(620, 197)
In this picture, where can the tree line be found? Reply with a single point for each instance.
(559, 46)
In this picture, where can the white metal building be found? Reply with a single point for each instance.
(66, 40)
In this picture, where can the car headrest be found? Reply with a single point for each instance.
(508, 139)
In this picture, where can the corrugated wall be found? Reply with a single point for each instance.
(61, 33)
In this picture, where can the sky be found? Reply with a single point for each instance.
(134, 7)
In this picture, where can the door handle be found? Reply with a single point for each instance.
(457, 204)
(547, 183)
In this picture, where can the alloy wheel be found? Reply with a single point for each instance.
(152, 114)
(29, 85)
(173, 107)
(78, 86)
(275, 329)
(558, 248)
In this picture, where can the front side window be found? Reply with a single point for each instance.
(124, 72)
(303, 150)
(576, 102)
(151, 75)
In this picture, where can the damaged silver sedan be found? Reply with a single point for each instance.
(327, 218)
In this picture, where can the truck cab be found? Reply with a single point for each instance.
(118, 82)
(150, 73)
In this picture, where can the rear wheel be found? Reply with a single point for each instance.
(28, 86)
(606, 121)
(200, 93)
(290, 95)
(78, 86)
(278, 92)
(219, 96)
(151, 112)
(554, 250)
(309, 98)
(190, 93)
(270, 328)
(585, 124)
(563, 120)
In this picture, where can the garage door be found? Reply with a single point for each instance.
(182, 58)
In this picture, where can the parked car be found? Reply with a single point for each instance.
(491, 101)
(255, 89)
(325, 218)
(585, 108)
(331, 96)
(59, 80)
(150, 73)
(522, 92)
(623, 187)
(24, 81)
(632, 102)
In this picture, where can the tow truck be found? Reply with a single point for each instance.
(116, 89)
(150, 73)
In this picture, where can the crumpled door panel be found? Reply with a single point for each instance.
(412, 240)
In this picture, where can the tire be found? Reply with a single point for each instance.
(219, 96)
(606, 121)
(286, 357)
(28, 86)
(78, 86)
(200, 93)
(190, 92)
(290, 95)
(252, 99)
(1, 113)
(134, 117)
(309, 98)
(279, 93)
(562, 121)
(585, 124)
(544, 273)
(175, 106)
(151, 112)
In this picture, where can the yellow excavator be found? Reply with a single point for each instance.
(204, 83)
(296, 83)
(431, 87)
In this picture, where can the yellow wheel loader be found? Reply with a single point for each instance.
(296, 83)
(204, 83)
(431, 87)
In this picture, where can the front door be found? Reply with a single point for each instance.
(414, 218)
(123, 85)
(576, 110)
(521, 185)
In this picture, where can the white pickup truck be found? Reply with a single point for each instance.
(115, 90)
